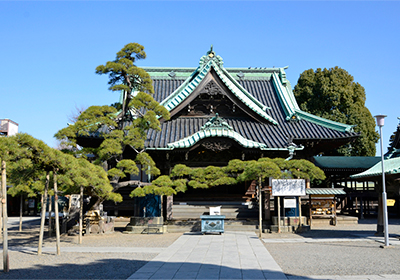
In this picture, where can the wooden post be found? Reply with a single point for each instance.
(50, 209)
(6, 265)
(334, 210)
(57, 222)
(41, 233)
(81, 216)
(299, 213)
(279, 214)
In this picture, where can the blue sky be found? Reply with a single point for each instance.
(50, 49)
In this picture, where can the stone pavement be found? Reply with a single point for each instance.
(232, 255)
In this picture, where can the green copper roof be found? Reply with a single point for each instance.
(216, 127)
(392, 166)
(293, 111)
(316, 191)
(339, 162)
(198, 75)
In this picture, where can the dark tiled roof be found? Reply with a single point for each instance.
(274, 136)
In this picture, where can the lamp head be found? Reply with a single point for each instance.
(380, 120)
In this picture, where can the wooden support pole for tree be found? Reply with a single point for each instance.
(81, 216)
(299, 213)
(6, 265)
(279, 214)
(57, 222)
(50, 209)
(41, 232)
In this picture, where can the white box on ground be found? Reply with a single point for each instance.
(215, 210)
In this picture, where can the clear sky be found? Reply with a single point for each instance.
(49, 49)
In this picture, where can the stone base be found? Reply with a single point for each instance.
(289, 221)
(139, 225)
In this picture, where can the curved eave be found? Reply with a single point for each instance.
(215, 132)
(392, 167)
(186, 88)
(292, 109)
(323, 122)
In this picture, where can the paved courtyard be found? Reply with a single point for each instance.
(342, 252)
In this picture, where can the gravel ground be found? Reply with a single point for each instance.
(336, 258)
(29, 265)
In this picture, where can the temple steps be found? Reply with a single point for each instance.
(231, 210)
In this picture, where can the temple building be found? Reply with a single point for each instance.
(219, 114)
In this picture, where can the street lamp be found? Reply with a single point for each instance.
(380, 121)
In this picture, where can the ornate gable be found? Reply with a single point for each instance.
(210, 87)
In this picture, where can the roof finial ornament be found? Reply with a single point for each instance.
(211, 53)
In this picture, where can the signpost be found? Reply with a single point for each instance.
(288, 187)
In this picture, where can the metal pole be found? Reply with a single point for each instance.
(384, 195)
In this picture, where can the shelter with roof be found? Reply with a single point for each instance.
(219, 114)
(392, 177)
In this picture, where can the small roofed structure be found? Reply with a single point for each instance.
(392, 178)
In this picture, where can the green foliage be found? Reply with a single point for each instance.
(333, 94)
(123, 125)
(236, 171)
(31, 159)
(261, 169)
(180, 170)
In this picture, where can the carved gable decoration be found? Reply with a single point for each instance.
(216, 122)
(212, 89)
(216, 145)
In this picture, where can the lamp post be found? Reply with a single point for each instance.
(380, 120)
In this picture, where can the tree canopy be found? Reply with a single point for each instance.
(123, 125)
(333, 94)
(235, 172)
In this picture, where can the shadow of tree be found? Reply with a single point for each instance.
(101, 269)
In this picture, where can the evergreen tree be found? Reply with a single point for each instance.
(122, 126)
(333, 94)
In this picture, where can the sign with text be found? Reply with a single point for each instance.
(288, 187)
(289, 203)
